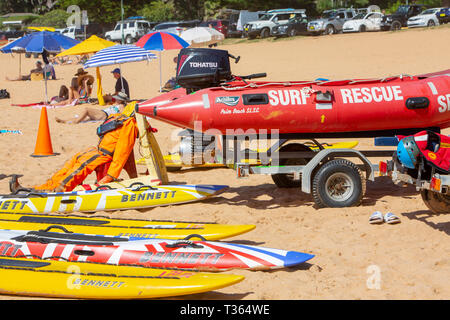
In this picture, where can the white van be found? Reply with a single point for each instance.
(132, 31)
(73, 32)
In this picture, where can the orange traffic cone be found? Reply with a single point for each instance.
(43, 143)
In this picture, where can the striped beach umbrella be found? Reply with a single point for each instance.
(161, 41)
(118, 54)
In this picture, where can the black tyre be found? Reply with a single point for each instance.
(362, 28)
(330, 29)
(435, 201)
(292, 32)
(338, 183)
(264, 33)
(396, 25)
(431, 23)
(286, 180)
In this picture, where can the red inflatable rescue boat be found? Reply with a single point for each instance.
(311, 109)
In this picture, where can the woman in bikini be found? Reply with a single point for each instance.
(92, 114)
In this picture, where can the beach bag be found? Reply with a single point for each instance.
(4, 94)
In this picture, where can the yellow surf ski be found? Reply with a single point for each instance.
(59, 279)
(100, 200)
(133, 229)
(174, 162)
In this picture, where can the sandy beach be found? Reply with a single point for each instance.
(410, 259)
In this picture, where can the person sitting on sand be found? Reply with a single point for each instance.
(38, 69)
(112, 153)
(80, 87)
(63, 95)
(121, 86)
(94, 114)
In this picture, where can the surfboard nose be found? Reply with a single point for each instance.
(294, 258)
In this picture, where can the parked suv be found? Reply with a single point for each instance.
(399, 18)
(263, 26)
(293, 27)
(331, 21)
(73, 32)
(132, 30)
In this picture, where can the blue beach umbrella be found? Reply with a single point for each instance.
(37, 42)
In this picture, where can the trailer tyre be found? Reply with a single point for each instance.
(286, 180)
(338, 183)
(435, 201)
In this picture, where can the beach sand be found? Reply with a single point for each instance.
(410, 260)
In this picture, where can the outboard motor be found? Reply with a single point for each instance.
(199, 68)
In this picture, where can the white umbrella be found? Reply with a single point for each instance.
(200, 36)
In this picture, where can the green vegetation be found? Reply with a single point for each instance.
(56, 18)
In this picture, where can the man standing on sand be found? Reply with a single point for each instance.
(121, 86)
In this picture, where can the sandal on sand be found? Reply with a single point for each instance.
(391, 218)
(376, 218)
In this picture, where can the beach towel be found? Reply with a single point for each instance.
(42, 105)
(10, 131)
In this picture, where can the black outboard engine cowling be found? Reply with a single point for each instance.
(199, 68)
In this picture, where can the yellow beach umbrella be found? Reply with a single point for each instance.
(90, 45)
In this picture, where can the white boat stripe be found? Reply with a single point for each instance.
(49, 204)
(67, 251)
(115, 257)
(256, 254)
(433, 88)
(49, 249)
(250, 263)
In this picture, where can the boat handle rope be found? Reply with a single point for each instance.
(184, 243)
(194, 235)
(30, 193)
(103, 187)
(143, 186)
(56, 227)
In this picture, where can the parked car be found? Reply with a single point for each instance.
(219, 25)
(400, 18)
(73, 32)
(263, 26)
(132, 30)
(176, 27)
(294, 26)
(331, 21)
(426, 18)
(237, 21)
(11, 34)
(443, 15)
(363, 22)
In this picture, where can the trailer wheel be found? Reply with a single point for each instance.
(435, 201)
(338, 183)
(286, 180)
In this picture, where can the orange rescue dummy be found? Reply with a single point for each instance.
(117, 137)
